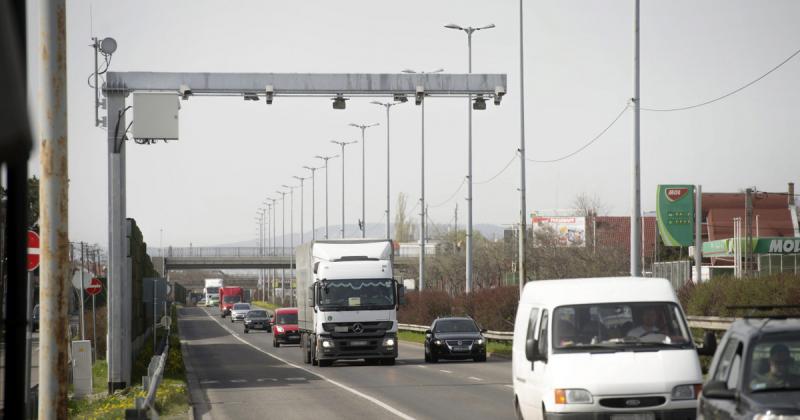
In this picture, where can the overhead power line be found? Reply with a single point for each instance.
(589, 143)
(463, 181)
(499, 173)
(733, 92)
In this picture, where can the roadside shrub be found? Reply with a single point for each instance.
(713, 297)
(492, 308)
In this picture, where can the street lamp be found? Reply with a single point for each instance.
(274, 223)
(388, 105)
(283, 242)
(313, 201)
(422, 189)
(291, 237)
(343, 144)
(301, 179)
(326, 159)
(363, 128)
(469, 30)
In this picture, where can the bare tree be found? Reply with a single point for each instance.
(403, 228)
(589, 204)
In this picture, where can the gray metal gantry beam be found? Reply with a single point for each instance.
(270, 85)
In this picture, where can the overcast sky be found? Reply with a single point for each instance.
(206, 187)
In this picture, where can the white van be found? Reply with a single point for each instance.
(611, 348)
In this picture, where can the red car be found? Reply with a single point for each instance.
(284, 327)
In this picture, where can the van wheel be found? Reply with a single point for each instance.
(517, 411)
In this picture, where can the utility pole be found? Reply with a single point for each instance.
(636, 205)
(326, 159)
(291, 238)
(283, 243)
(522, 183)
(343, 144)
(698, 234)
(748, 231)
(388, 105)
(363, 128)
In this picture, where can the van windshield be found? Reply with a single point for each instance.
(619, 326)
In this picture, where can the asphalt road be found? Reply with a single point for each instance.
(233, 375)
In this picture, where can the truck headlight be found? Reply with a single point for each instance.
(573, 396)
(327, 344)
(389, 342)
(686, 392)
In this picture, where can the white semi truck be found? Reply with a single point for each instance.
(211, 291)
(347, 301)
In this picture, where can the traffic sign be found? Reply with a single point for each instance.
(33, 250)
(94, 287)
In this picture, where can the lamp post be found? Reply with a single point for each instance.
(363, 128)
(469, 30)
(422, 188)
(343, 144)
(274, 240)
(291, 239)
(301, 179)
(636, 198)
(283, 242)
(326, 159)
(388, 106)
(313, 201)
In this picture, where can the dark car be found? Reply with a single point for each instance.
(755, 373)
(285, 329)
(257, 319)
(455, 338)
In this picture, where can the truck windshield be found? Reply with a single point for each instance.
(232, 299)
(213, 290)
(619, 327)
(356, 294)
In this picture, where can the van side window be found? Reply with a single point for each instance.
(543, 333)
(532, 323)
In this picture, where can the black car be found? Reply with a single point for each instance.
(257, 319)
(455, 338)
(755, 373)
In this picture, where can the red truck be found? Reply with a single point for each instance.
(228, 296)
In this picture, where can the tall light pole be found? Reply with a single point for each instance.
(523, 230)
(363, 128)
(283, 242)
(422, 189)
(343, 144)
(291, 239)
(469, 30)
(326, 159)
(301, 179)
(274, 240)
(636, 207)
(313, 201)
(388, 105)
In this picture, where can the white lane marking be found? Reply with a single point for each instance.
(296, 379)
(208, 382)
(445, 371)
(474, 378)
(266, 379)
(422, 366)
(373, 400)
(238, 381)
(509, 386)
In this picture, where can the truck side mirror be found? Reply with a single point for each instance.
(709, 344)
(310, 300)
(401, 294)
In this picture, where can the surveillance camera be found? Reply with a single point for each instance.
(270, 94)
(400, 97)
(499, 92)
(479, 104)
(185, 92)
(420, 95)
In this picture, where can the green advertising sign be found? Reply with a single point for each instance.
(675, 214)
(725, 247)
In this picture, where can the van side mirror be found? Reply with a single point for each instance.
(709, 344)
(718, 390)
(531, 349)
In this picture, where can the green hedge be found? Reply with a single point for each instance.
(713, 297)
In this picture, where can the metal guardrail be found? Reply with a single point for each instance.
(704, 322)
(155, 372)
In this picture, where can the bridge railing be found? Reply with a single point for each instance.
(218, 251)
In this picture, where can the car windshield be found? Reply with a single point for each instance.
(241, 306)
(357, 294)
(284, 319)
(257, 314)
(455, 325)
(619, 326)
(775, 363)
(232, 299)
(213, 290)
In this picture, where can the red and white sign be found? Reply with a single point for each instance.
(675, 194)
(94, 287)
(33, 250)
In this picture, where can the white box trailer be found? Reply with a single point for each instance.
(347, 301)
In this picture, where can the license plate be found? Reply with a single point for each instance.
(632, 416)
(358, 343)
(460, 348)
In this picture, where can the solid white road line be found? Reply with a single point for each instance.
(445, 371)
(474, 378)
(373, 400)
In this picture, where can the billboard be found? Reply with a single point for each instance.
(675, 214)
(570, 230)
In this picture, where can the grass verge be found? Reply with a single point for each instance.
(497, 347)
(172, 398)
(265, 305)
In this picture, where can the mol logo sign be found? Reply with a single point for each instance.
(675, 214)
(675, 194)
(784, 246)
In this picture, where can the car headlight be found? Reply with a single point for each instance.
(389, 342)
(437, 342)
(773, 416)
(280, 330)
(327, 344)
(686, 392)
(479, 341)
(573, 396)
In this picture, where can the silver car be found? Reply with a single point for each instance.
(239, 311)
